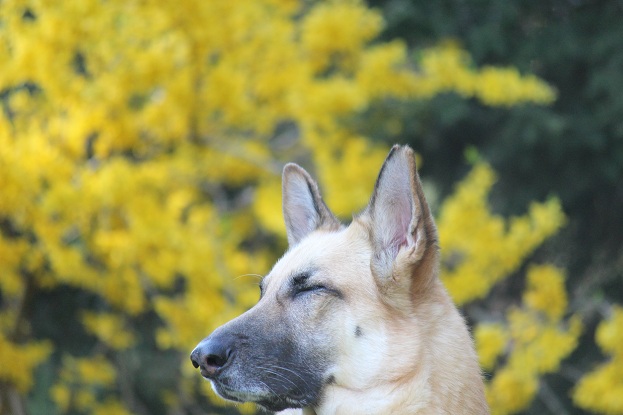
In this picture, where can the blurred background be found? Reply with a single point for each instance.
(141, 148)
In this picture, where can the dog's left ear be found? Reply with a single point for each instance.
(401, 226)
(304, 210)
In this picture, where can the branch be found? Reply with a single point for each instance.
(11, 402)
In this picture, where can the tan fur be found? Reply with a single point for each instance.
(392, 341)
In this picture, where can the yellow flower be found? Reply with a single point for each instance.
(449, 68)
(383, 72)
(610, 333)
(511, 391)
(12, 252)
(267, 206)
(95, 371)
(110, 407)
(546, 291)
(338, 30)
(602, 389)
(535, 337)
(108, 328)
(478, 247)
(17, 361)
(61, 395)
(491, 340)
(347, 158)
(84, 399)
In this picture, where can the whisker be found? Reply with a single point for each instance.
(274, 367)
(279, 375)
(293, 372)
(268, 387)
(300, 389)
(258, 276)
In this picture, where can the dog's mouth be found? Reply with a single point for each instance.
(264, 398)
(274, 388)
(233, 394)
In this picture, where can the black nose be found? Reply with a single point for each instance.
(211, 355)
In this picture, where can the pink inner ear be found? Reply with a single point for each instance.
(398, 223)
(393, 202)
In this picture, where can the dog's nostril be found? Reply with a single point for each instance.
(195, 357)
(215, 361)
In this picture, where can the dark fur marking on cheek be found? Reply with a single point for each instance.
(330, 380)
(358, 332)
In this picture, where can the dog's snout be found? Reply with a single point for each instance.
(210, 356)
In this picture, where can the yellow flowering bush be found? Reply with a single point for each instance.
(108, 328)
(82, 382)
(490, 341)
(449, 68)
(602, 389)
(533, 341)
(19, 362)
(141, 146)
(481, 248)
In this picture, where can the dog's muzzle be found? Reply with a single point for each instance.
(264, 368)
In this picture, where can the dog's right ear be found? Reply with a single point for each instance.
(304, 210)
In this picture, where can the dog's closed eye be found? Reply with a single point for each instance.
(301, 285)
(305, 289)
(300, 291)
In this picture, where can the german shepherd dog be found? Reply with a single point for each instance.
(352, 319)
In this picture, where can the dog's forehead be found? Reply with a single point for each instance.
(321, 251)
(311, 253)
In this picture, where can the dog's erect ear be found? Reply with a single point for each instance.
(304, 210)
(400, 220)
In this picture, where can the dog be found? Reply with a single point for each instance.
(352, 319)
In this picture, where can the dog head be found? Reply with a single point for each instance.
(330, 305)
